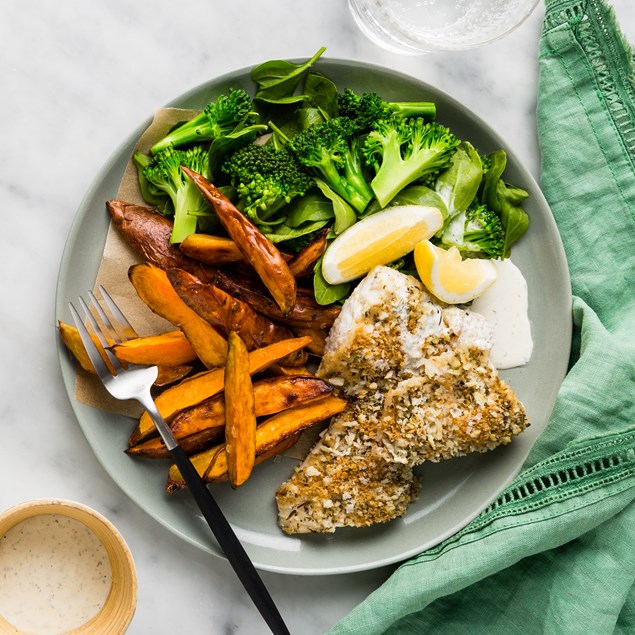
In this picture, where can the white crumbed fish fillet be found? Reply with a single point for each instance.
(420, 388)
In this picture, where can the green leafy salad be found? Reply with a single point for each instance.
(303, 156)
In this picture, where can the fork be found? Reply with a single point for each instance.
(134, 382)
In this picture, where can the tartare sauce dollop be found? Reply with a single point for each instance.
(55, 574)
(505, 306)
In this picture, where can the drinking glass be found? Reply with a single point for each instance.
(419, 26)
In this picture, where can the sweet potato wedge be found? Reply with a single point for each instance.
(148, 233)
(240, 412)
(168, 349)
(268, 434)
(171, 374)
(318, 339)
(279, 370)
(216, 250)
(226, 312)
(217, 468)
(200, 425)
(197, 388)
(72, 341)
(305, 312)
(303, 263)
(155, 290)
(212, 250)
(257, 250)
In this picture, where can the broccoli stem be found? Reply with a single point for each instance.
(425, 109)
(342, 186)
(354, 177)
(394, 173)
(186, 133)
(184, 222)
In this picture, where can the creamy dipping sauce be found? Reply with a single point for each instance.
(505, 306)
(55, 574)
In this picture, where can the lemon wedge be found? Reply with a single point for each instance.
(377, 240)
(448, 277)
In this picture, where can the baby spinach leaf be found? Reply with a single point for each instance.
(285, 232)
(459, 184)
(278, 79)
(344, 214)
(324, 292)
(515, 219)
(307, 117)
(489, 187)
(321, 93)
(308, 208)
(505, 200)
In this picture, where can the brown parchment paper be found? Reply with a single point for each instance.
(113, 276)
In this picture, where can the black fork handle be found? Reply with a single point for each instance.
(229, 543)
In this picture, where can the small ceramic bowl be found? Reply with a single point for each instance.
(62, 556)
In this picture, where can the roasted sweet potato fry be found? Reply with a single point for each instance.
(198, 426)
(72, 341)
(306, 311)
(226, 312)
(216, 250)
(196, 389)
(268, 434)
(168, 349)
(171, 374)
(318, 339)
(148, 233)
(240, 412)
(155, 290)
(217, 469)
(280, 370)
(257, 250)
(212, 250)
(154, 448)
(303, 263)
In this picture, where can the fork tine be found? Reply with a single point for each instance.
(91, 348)
(123, 325)
(96, 329)
(108, 330)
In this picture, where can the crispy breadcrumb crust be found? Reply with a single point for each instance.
(420, 388)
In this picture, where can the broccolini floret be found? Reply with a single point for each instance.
(478, 231)
(164, 172)
(401, 151)
(266, 179)
(367, 108)
(219, 118)
(331, 150)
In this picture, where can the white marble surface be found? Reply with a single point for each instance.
(77, 77)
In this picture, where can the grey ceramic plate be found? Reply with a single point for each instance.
(455, 491)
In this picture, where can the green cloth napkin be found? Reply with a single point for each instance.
(555, 553)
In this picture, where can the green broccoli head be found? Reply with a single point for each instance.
(484, 232)
(401, 151)
(364, 109)
(368, 108)
(331, 150)
(478, 231)
(266, 178)
(164, 173)
(220, 117)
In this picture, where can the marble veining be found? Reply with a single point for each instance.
(77, 78)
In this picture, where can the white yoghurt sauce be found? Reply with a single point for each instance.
(505, 306)
(55, 574)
